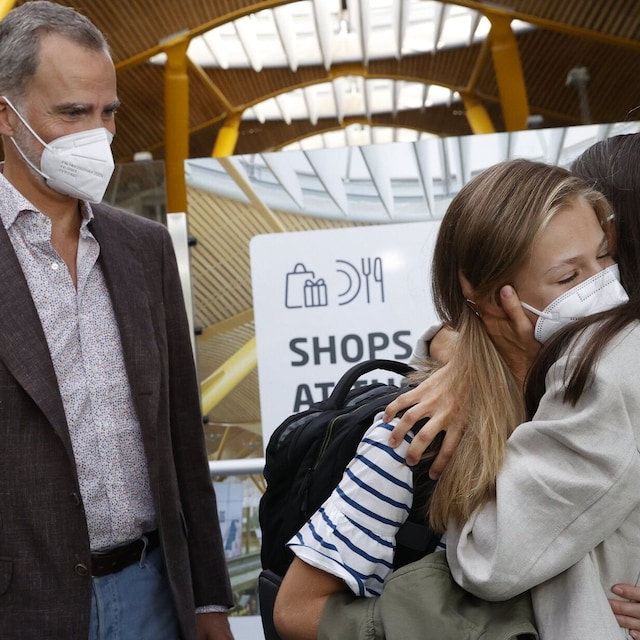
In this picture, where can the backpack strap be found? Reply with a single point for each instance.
(343, 386)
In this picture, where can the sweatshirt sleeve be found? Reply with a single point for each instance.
(570, 478)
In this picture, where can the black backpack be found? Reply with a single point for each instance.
(305, 459)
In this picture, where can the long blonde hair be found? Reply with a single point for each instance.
(486, 235)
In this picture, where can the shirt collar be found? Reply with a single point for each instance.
(13, 203)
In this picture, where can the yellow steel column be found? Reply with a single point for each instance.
(176, 123)
(477, 115)
(227, 136)
(228, 376)
(5, 7)
(508, 68)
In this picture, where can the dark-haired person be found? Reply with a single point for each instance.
(571, 473)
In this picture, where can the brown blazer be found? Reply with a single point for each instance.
(44, 545)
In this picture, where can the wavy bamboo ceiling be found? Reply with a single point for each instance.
(601, 35)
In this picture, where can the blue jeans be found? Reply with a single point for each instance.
(133, 604)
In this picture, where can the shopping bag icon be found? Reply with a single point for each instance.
(295, 286)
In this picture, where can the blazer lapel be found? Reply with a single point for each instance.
(23, 346)
(125, 277)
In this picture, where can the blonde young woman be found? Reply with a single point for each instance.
(531, 225)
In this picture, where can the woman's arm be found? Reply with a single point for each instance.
(569, 481)
(301, 599)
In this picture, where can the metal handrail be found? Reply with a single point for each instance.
(239, 467)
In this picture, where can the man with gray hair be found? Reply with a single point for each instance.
(108, 522)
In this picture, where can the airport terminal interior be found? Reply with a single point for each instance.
(264, 127)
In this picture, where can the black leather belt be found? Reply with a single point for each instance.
(103, 564)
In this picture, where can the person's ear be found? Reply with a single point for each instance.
(490, 307)
(469, 293)
(6, 128)
(467, 289)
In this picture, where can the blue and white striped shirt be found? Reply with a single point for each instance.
(352, 535)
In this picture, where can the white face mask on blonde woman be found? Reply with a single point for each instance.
(600, 292)
(570, 273)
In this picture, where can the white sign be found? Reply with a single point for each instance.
(325, 300)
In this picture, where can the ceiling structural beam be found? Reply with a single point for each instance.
(329, 172)
(200, 29)
(439, 18)
(376, 161)
(338, 89)
(286, 33)
(228, 324)
(311, 100)
(477, 116)
(235, 170)
(478, 66)
(285, 173)
(425, 174)
(228, 376)
(283, 107)
(248, 36)
(213, 42)
(464, 154)
(227, 136)
(548, 24)
(367, 96)
(425, 97)
(509, 74)
(475, 22)
(258, 110)
(176, 123)
(322, 18)
(365, 29)
(396, 89)
(555, 139)
(211, 86)
(400, 24)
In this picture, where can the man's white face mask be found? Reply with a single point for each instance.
(79, 165)
(600, 292)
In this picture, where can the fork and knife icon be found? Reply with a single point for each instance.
(375, 274)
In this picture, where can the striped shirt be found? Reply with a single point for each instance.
(352, 535)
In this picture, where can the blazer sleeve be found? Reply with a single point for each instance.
(211, 584)
(570, 479)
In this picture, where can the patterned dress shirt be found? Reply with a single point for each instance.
(86, 350)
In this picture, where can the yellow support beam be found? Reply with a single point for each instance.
(224, 379)
(509, 75)
(5, 7)
(229, 324)
(211, 86)
(176, 123)
(227, 136)
(477, 115)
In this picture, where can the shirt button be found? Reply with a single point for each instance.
(55, 266)
(81, 570)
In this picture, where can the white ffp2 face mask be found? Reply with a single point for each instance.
(600, 292)
(79, 165)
